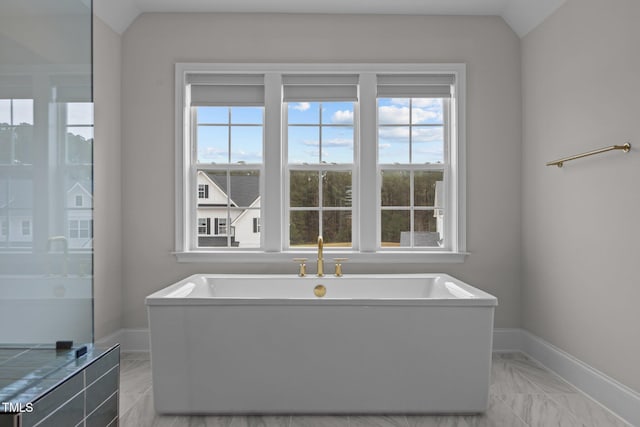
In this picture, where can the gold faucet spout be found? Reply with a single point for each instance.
(320, 257)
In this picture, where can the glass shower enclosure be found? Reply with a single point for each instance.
(46, 176)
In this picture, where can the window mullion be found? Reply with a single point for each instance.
(369, 215)
(272, 186)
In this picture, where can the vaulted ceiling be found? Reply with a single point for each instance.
(521, 15)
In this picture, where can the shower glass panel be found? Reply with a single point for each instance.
(46, 176)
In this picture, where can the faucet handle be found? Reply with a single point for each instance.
(303, 266)
(339, 262)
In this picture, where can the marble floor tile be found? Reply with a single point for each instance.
(135, 376)
(497, 415)
(509, 356)
(523, 394)
(541, 377)
(538, 410)
(128, 400)
(589, 412)
(134, 355)
(319, 421)
(505, 379)
(436, 421)
(378, 421)
(142, 414)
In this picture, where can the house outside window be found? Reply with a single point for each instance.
(370, 156)
(26, 228)
(80, 229)
(204, 226)
(203, 191)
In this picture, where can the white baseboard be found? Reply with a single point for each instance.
(506, 340)
(616, 396)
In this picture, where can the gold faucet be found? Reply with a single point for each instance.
(320, 258)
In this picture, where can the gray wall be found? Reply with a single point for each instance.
(155, 42)
(581, 236)
(107, 57)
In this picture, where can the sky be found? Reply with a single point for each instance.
(324, 132)
(78, 113)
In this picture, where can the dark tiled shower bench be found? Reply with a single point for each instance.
(44, 387)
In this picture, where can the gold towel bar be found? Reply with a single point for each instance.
(625, 147)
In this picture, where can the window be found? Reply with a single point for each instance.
(227, 138)
(80, 229)
(320, 158)
(203, 191)
(369, 156)
(16, 131)
(221, 226)
(78, 201)
(4, 228)
(204, 226)
(26, 228)
(412, 141)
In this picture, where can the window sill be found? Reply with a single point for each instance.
(391, 257)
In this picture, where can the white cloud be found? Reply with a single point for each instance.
(421, 115)
(301, 106)
(420, 134)
(333, 142)
(342, 116)
(391, 114)
(337, 142)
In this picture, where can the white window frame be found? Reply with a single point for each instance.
(272, 185)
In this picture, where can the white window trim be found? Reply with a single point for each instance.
(272, 200)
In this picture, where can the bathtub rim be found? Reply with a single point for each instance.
(159, 298)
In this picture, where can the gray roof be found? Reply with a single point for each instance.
(245, 189)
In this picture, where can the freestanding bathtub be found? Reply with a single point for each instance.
(263, 344)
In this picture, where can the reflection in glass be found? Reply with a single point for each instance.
(46, 174)
(304, 228)
(395, 189)
(79, 145)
